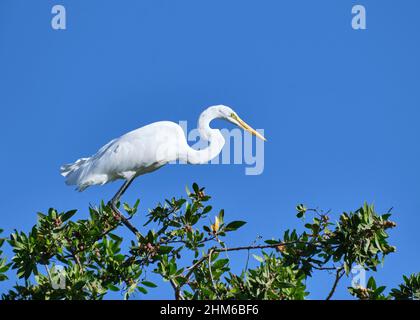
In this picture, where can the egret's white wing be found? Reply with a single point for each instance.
(137, 152)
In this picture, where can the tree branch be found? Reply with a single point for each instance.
(177, 289)
(338, 275)
(124, 220)
(211, 274)
(266, 246)
(252, 247)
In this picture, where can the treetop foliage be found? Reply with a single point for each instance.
(63, 258)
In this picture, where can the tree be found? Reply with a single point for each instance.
(95, 261)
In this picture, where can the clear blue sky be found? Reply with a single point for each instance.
(340, 108)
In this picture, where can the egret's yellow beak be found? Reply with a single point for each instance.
(248, 128)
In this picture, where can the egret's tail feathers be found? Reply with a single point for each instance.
(74, 173)
(67, 169)
(81, 175)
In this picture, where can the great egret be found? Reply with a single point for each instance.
(147, 149)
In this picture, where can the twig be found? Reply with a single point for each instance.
(76, 258)
(211, 274)
(323, 268)
(339, 274)
(48, 272)
(177, 289)
(254, 243)
(124, 220)
(207, 239)
(252, 247)
(115, 199)
(194, 266)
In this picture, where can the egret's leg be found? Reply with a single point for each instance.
(113, 205)
(121, 191)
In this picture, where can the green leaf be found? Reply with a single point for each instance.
(234, 225)
(301, 209)
(221, 216)
(371, 284)
(165, 249)
(380, 289)
(207, 209)
(127, 207)
(271, 241)
(115, 237)
(220, 263)
(386, 216)
(258, 258)
(346, 268)
(66, 216)
(142, 290)
(149, 284)
(113, 288)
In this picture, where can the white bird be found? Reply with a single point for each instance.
(147, 149)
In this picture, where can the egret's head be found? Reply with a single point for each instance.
(230, 115)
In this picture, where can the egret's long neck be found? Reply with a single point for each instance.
(213, 136)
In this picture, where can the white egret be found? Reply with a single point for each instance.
(148, 148)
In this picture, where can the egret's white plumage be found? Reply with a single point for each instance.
(148, 148)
